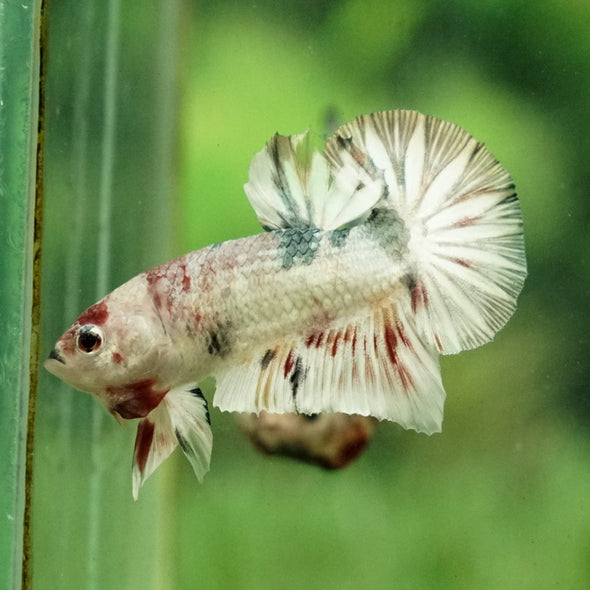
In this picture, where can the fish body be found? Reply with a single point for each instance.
(210, 309)
(401, 241)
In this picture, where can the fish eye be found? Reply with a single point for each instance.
(89, 339)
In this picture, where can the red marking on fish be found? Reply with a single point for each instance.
(186, 280)
(319, 339)
(152, 278)
(419, 296)
(289, 363)
(207, 276)
(402, 334)
(167, 281)
(438, 342)
(391, 343)
(347, 334)
(67, 341)
(139, 398)
(466, 221)
(315, 339)
(117, 358)
(153, 275)
(335, 343)
(462, 262)
(143, 443)
(96, 314)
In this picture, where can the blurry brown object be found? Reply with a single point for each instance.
(331, 441)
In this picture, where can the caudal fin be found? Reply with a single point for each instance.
(458, 203)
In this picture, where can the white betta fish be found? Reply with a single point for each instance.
(401, 241)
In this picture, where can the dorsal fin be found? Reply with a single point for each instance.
(376, 365)
(292, 186)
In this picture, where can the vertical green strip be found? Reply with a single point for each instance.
(111, 108)
(103, 275)
(167, 45)
(19, 87)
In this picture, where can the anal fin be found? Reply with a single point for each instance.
(376, 366)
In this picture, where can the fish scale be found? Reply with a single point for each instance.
(263, 297)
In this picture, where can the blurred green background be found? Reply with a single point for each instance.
(153, 114)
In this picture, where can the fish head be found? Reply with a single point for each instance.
(119, 351)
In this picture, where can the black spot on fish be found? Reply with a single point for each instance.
(267, 358)
(338, 237)
(297, 376)
(376, 214)
(182, 442)
(344, 143)
(214, 346)
(198, 393)
(218, 343)
(409, 281)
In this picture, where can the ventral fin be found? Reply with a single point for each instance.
(181, 418)
(292, 186)
(376, 366)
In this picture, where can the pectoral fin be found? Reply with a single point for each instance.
(181, 418)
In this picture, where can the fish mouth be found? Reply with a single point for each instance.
(56, 356)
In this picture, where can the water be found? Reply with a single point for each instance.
(152, 119)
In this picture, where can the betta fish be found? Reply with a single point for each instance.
(399, 242)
